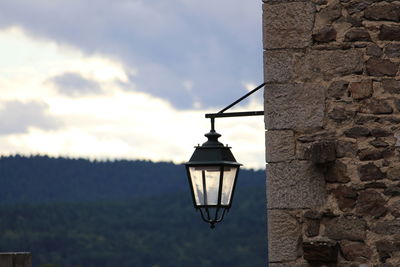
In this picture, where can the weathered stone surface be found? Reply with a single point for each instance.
(376, 106)
(325, 35)
(379, 143)
(391, 227)
(379, 132)
(320, 251)
(346, 148)
(394, 173)
(370, 172)
(346, 197)
(370, 154)
(381, 67)
(297, 184)
(389, 33)
(323, 152)
(384, 11)
(356, 132)
(380, 185)
(371, 203)
(355, 251)
(397, 104)
(339, 114)
(374, 50)
(361, 90)
(288, 25)
(294, 106)
(337, 172)
(354, 35)
(328, 63)
(392, 50)
(278, 66)
(328, 14)
(348, 228)
(284, 235)
(391, 86)
(280, 145)
(337, 89)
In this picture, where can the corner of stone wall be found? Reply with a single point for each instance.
(332, 116)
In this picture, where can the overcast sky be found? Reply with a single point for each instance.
(128, 78)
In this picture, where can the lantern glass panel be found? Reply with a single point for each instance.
(205, 181)
(227, 184)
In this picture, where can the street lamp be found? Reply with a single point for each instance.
(212, 170)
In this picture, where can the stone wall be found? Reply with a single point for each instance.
(332, 114)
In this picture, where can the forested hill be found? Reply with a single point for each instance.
(39, 179)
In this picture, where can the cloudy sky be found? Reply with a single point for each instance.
(128, 78)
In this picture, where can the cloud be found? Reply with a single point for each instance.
(17, 117)
(73, 84)
(214, 44)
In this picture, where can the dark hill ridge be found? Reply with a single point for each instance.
(39, 179)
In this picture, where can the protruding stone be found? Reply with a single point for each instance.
(325, 35)
(320, 251)
(361, 90)
(355, 251)
(389, 33)
(383, 11)
(354, 35)
(395, 209)
(295, 184)
(280, 146)
(337, 173)
(311, 227)
(370, 172)
(371, 203)
(348, 228)
(357, 132)
(323, 152)
(357, 6)
(382, 67)
(284, 234)
(288, 25)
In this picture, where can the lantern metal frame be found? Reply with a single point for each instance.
(214, 153)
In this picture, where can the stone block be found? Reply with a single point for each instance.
(294, 106)
(338, 89)
(390, 227)
(356, 132)
(355, 251)
(348, 228)
(376, 106)
(284, 235)
(325, 35)
(278, 66)
(298, 184)
(329, 63)
(280, 146)
(384, 11)
(370, 203)
(323, 152)
(392, 50)
(357, 35)
(391, 86)
(382, 67)
(320, 251)
(361, 90)
(370, 172)
(389, 33)
(394, 173)
(288, 25)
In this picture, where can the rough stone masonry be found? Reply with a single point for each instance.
(332, 115)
